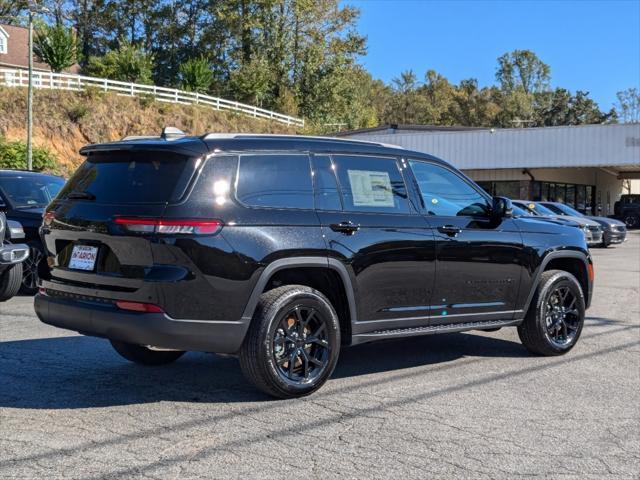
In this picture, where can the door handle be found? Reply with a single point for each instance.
(450, 230)
(348, 228)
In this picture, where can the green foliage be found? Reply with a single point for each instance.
(128, 63)
(56, 46)
(196, 75)
(522, 70)
(300, 57)
(78, 111)
(252, 82)
(14, 155)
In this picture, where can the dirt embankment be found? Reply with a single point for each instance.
(64, 121)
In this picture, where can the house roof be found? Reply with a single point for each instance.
(18, 49)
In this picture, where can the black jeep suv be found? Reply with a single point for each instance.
(281, 250)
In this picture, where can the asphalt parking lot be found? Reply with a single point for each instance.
(472, 405)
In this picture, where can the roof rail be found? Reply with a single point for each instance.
(223, 136)
(139, 137)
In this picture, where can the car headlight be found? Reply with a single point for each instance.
(585, 229)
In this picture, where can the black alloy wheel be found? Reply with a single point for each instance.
(554, 321)
(300, 345)
(561, 316)
(30, 275)
(632, 220)
(293, 342)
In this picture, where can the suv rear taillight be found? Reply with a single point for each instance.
(169, 227)
(48, 218)
(138, 307)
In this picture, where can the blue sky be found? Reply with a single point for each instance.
(590, 45)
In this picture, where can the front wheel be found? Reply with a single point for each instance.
(293, 343)
(632, 220)
(10, 281)
(555, 318)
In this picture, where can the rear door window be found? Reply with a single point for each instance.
(276, 181)
(131, 177)
(371, 184)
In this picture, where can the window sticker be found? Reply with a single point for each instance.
(371, 189)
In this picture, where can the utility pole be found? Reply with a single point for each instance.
(30, 92)
(33, 9)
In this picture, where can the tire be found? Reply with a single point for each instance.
(275, 356)
(10, 281)
(30, 270)
(632, 220)
(554, 331)
(144, 355)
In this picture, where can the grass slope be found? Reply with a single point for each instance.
(65, 121)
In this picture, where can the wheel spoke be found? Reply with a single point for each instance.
(319, 330)
(292, 362)
(310, 316)
(315, 361)
(318, 341)
(305, 363)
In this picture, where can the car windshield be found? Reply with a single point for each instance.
(30, 191)
(564, 210)
(518, 211)
(541, 209)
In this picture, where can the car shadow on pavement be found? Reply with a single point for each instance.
(84, 372)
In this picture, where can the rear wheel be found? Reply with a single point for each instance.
(145, 355)
(30, 275)
(555, 318)
(10, 282)
(293, 343)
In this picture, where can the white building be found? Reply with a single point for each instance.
(586, 166)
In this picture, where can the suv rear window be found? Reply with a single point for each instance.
(131, 177)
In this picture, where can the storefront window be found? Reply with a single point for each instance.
(507, 189)
(581, 198)
(570, 195)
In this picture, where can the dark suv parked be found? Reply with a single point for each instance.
(23, 197)
(627, 209)
(283, 249)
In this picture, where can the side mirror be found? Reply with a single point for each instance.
(501, 208)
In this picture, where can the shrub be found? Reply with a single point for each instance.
(77, 111)
(128, 63)
(196, 75)
(14, 155)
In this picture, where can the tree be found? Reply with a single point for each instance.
(406, 101)
(561, 107)
(628, 106)
(128, 63)
(56, 46)
(473, 106)
(196, 75)
(252, 81)
(522, 69)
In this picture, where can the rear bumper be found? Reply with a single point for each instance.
(156, 329)
(11, 254)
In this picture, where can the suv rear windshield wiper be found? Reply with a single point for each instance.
(82, 195)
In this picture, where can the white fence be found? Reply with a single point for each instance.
(64, 81)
